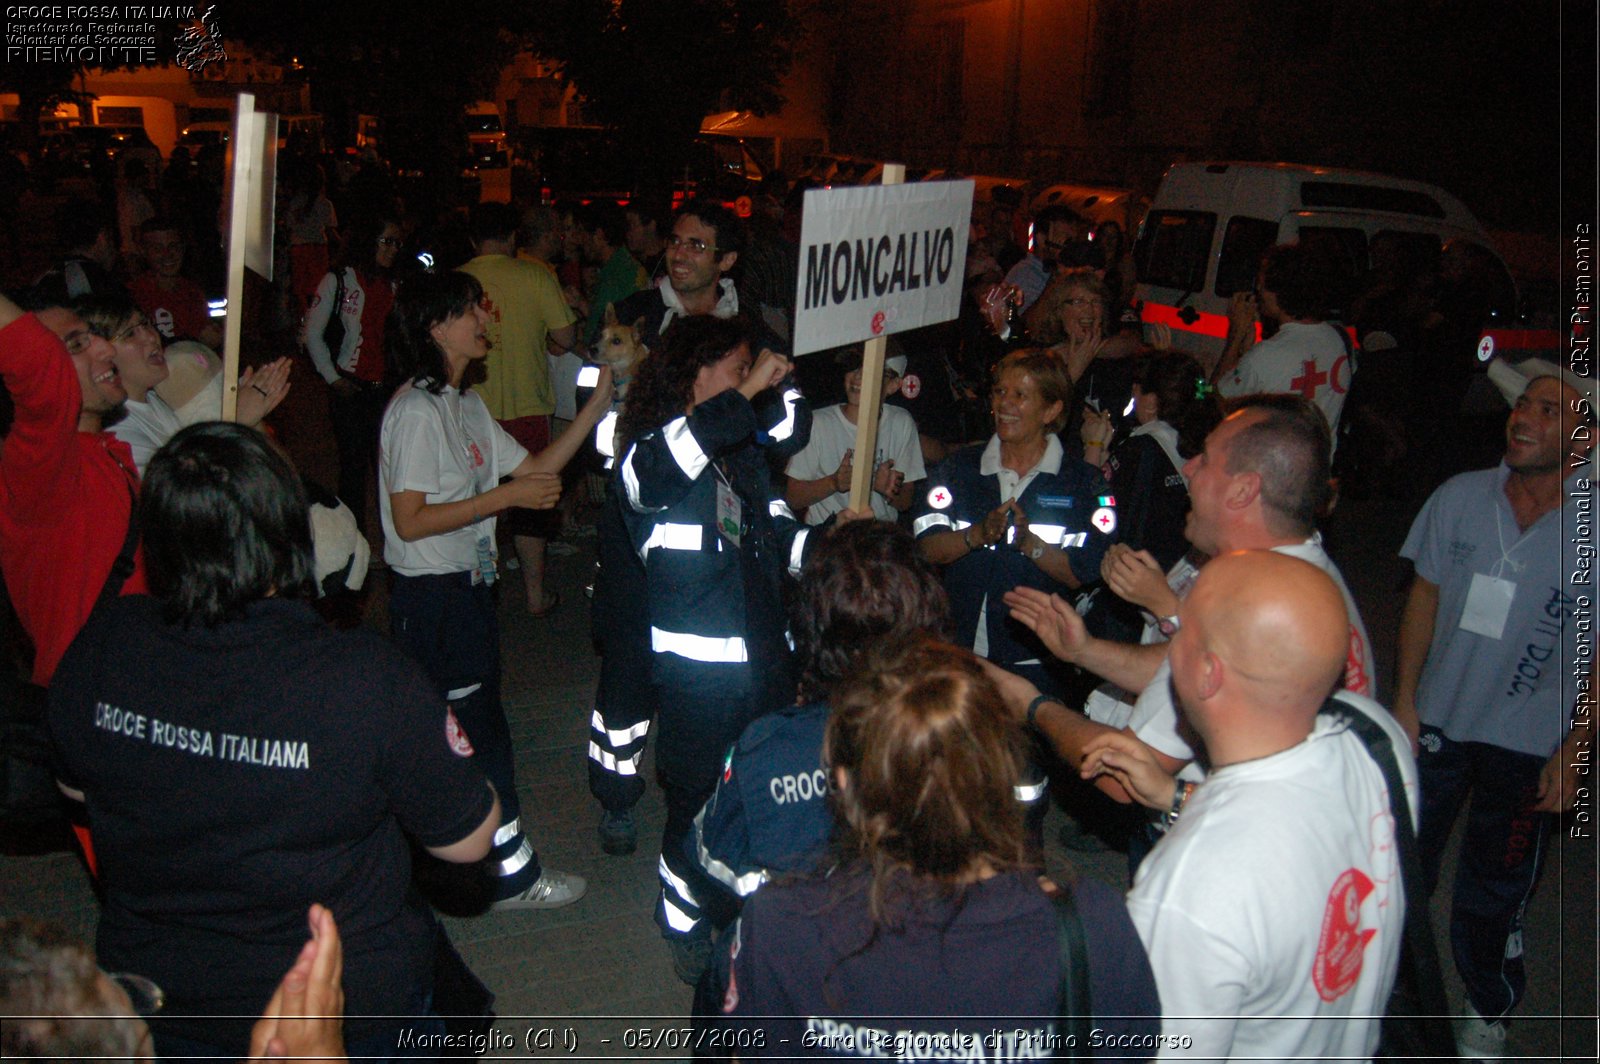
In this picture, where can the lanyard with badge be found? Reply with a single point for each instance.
(730, 511)
(484, 567)
(1489, 599)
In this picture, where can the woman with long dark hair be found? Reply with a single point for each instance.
(443, 458)
(929, 926)
(357, 295)
(241, 761)
(702, 511)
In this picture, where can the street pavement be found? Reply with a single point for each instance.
(594, 980)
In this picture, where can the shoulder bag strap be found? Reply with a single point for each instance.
(122, 567)
(1076, 1012)
(1419, 955)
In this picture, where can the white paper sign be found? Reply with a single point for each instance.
(880, 259)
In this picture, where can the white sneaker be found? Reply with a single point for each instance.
(551, 890)
(1478, 1038)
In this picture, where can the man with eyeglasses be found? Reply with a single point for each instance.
(68, 486)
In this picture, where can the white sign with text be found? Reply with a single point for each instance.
(880, 259)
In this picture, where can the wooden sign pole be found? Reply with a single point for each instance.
(866, 453)
(252, 173)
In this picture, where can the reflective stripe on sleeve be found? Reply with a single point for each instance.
(698, 647)
(742, 885)
(458, 693)
(797, 551)
(1051, 534)
(605, 435)
(785, 428)
(685, 448)
(1030, 792)
(927, 521)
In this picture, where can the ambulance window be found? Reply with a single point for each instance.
(1173, 248)
(1345, 249)
(1243, 244)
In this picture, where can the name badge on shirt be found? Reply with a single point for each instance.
(730, 512)
(1488, 606)
(484, 573)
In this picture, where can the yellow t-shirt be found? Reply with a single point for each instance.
(525, 305)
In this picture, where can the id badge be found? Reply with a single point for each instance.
(1488, 606)
(485, 571)
(729, 513)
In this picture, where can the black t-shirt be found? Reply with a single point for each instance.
(811, 980)
(234, 775)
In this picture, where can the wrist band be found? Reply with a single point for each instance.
(966, 539)
(1033, 708)
(1180, 795)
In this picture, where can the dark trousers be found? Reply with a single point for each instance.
(1501, 857)
(357, 420)
(450, 628)
(625, 700)
(695, 732)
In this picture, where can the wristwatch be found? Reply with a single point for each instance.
(1037, 552)
(1168, 625)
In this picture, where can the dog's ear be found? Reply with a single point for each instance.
(611, 314)
(638, 326)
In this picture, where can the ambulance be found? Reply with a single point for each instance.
(1210, 222)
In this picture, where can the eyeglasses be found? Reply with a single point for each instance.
(693, 244)
(389, 241)
(132, 329)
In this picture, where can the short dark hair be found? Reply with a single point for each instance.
(161, 223)
(225, 522)
(865, 582)
(491, 220)
(1302, 278)
(1289, 447)
(1184, 399)
(713, 215)
(1057, 212)
(105, 314)
(605, 216)
(423, 302)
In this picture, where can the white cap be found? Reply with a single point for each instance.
(895, 364)
(1513, 380)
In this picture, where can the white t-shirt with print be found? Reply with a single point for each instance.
(449, 448)
(832, 434)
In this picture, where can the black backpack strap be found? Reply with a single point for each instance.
(1418, 981)
(1076, 1013)
(122, 567)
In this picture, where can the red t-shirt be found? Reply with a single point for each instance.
(178, 314)
(65, 496)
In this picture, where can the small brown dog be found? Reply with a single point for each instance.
(619, 347)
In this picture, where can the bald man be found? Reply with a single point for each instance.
(1272, 909)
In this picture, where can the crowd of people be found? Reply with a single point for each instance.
(1082, 550)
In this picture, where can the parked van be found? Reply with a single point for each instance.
(1209, 224)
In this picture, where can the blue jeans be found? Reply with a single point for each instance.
(1502, 854)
